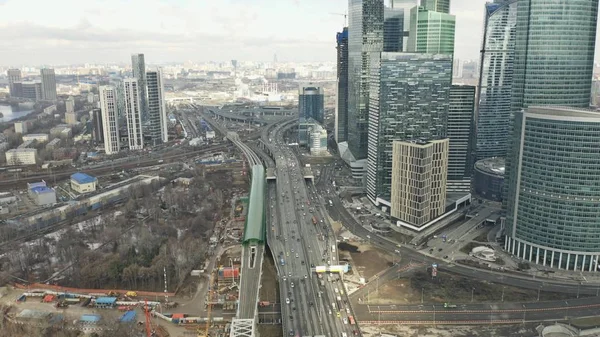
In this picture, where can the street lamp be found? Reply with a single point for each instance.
(472, 293)
(422, 289)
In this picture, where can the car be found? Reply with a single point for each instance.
(302, 262)
(292, 284)
(305, 276)
(330, 311)
(344, 334)
(397, 251)
(345, 320)
(348, 311)
(290, 274)
(338, 314)
(287, 301)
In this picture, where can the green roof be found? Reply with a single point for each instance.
(254, 229)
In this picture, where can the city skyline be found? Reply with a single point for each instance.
(170, 31)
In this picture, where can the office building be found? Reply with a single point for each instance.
(83, 183)
(430, 31)
(495, 79)
(31, 90)
(97, 129)
(419, 182)
(554, 53)
(109, 105)
(441, 6)
(21, 127)
(48, 84)
(553, 195)
(409, 100)
(488, 178)
(460, 133)
(365, 36)
(318, 141)
(14, 76)
(138, 67)
(157, 109)
(311, 100)
(133, 115)
(341, 108)
(392, 15)
(22, 156)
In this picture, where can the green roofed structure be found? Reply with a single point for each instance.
(254, 229)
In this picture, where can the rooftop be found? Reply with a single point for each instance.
(89, 318)
(41, 189)
(82, 178)
(106, 300)
(493, 165)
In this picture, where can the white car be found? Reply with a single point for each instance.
(345, 320)
(287, 301)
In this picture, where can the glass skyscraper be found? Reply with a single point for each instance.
(138, 67)
(157, 110)
(409, 100)
(393, 29)
(431, 32)
(311, 102)
(495, 78)
(553, 199)
(442, 6)
(341, 111)
(460, 133)
(365, 36)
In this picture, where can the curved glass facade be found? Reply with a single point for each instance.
(553, 200)
(495, 79)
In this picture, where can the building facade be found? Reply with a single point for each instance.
(341, 108)
(431, 32)
(157, 109)
(553, 197)
(365, 36)
(40, 137)
(133, 114)
(460, 133)
(30, 90)
(419, 181)
(97, 129)
(83, 183)
(311, 102)
(21, 127)
(48, 84)
(109, 103)
(397, 6)
(442, 6)
(23, 156)
(409, 101)
(14, 76)
(138, 67)
(495, 78)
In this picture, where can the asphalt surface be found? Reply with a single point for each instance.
(250, 280)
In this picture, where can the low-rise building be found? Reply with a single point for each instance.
(26, 144)
(83, 183)
(40, 137)
(54, 144)
(21, 156)
(61, 130)
(41, 193)
(21, 127)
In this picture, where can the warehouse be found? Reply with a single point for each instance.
(41, 194)
(83, 183)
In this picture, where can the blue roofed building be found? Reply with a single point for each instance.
(89, 319)
(106, 302)
(83, 183)
(128, 316)
(41, 194)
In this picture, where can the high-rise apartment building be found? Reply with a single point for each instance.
(442, 6)
(70, 115)
(157, 109)
(495, 79)
(311, 100)
(341, 108)
(409, 100)
(14, 76)
(460, 133)
(430, 31)
(365, 36)
(97, 128)
(554, 188)
(109, 104)
(419, 182)
(138, 67)
(133, 115)
(31, 90)
(48, 84)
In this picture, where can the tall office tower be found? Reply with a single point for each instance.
(396, 6)
(365, 36)
(554, 53)
(552, 200)
(419, 182)
(408, 101)
(457, 68)
(495, 79)
(48, 84)
(109, 104)
(431, 32)
(393, 29)
(461, 135)
(442, 6)
(138, 66)
(311, 102)
(341, 108)
(97, 129)
(157, 107)
(133, 115)
(14, 75)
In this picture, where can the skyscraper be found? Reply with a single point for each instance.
(393, 29)
(460, 133)
(311, 102)
(341, 108)
(157, 109)
(408, 101)
(133, 114)
(14, 76)
(365, 36)
(138, 67)
(554, 53)
(405, 6)
(48, 84)
(109, 102)
(495, 78)
(430, 31)
(442, 6)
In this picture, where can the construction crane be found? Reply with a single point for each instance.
(147, 314)
(345, 15)
(209, 306)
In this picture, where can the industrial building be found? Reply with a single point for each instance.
(21, 156)
(83, 183)
(41, 194)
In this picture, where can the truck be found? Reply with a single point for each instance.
(449, 306)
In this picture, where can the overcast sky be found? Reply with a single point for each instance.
(47, 32)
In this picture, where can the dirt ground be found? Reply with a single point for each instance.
(449, 331)
(367, 260)
(265, 330)
(269, 290)
(447, 287)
